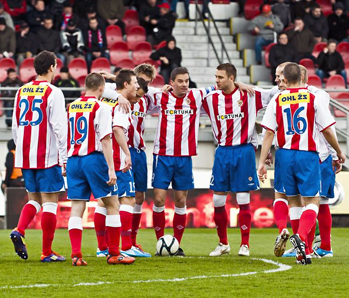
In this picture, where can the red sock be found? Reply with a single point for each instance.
(113, 224)
(307, 221)
(48, 226)
(310, 239)
(295, 215)
(99, 221)
(245, 223)
(179, 221)
(27, 215)
(325, 224)
(126, 214)
(295, 225)
(159, 221)
(221, 220)
(281, 213)
(75, 236)
(135, 226)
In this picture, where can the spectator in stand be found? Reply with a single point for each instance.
(7, 40)
(266, 26)
(56, 9)
(6, 16)
(170, 57)
(331, 62)
(282, 10)
(302, 40)
(148, 11)
(133, 3)
(280, 53)
(163, 25)
(317, 23)
(66, 15)
(186, 6)
(11, 81)
(72, 42)
(299, 9)
(92, 13)
(16, 9)
(81, 7)
(35, 17)
(26, 44)
(95, 42)
(338, 23)
(112, 12)
(49, 39)
(66, 81)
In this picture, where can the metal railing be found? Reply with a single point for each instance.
(208, 33)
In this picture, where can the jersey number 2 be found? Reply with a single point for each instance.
(295, 124)
(35, 108)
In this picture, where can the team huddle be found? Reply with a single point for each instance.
(97, 143)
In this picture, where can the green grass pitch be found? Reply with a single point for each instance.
(196, 275)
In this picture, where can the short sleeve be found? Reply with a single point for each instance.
(269, 118)
(110, 91)
(104, 121)
(323, 117)
(121, 119)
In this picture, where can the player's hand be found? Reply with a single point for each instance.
(269, 161)
(262, 172)
(64, 170)
(128, 163)
(106, 75)
(166, 88)
(124, 104)
(336, 166)
(341, 157)
(243, 87)
(112, 177)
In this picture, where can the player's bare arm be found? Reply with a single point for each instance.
(267, 142)
(331, 139)
(108, 154)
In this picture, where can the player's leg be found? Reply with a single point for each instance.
(244, 218)
(126, 215)
(100, 229)
(159, 211)
(180, 214)
(137, 215)
(280, 216)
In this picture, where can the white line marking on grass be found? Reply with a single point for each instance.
(281, 267)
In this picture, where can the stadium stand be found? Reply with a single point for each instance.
(314, 80)
(252, 8)
(118, 52)
(318, 48)
(266, 54)
(134, 36)
(141, 52)
(130, 19)
(343, 49)
(158, 81)
(26, 70)
(309, 65)
(126, 63)
(77, 68)
(5, 64)
(113, 35)
(100, 64)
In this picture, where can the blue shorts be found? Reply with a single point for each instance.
(278, 186)
(43, 180)
(328, 178)
(88, 174)
(299, 172)
(139, 169)
(126, 184)
(175, 169)
(234, 169)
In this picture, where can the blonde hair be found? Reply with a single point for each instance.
(304, 73)
(147, 69)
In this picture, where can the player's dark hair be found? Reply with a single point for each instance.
(10, 70)
(124, 75)
(44, 61)
(292, 73)
(178, 71)
(147, 69)
(229, 69)
(93, 81)
(142, 84)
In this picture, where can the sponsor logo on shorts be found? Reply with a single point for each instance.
(250, 178)
(179, 112)
(231, 116)
(212, 180)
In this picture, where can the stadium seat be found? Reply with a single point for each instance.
(58, 68)
(26, 70)
(100, 64)
(130, 19)
(81, 81)
(266, 54)
(142, 52)
(126, 63)
(158, 81)
(118, 52)
(343, 98)
(318, 48)
(134, 36)
(347, 69)
(5, 64)
(252, 8)
(335, 82)
(309, 65)
(113, 34)
(160, 45)
(77, 68)
(314, 80)
(326, 7)
(343, 49)
(1, 108)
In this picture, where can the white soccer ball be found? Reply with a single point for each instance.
(167, 246)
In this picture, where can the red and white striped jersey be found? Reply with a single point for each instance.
(233, 116)
(178, 124)
(39, 126)
(297, 116)
(90, 120)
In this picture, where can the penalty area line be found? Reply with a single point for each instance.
(280, 267)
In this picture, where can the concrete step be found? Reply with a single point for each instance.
(202, 39)
(211, 71)
(239, 25)
(259, 73)
(204, 54)
(187, 62)
(191, 24)
(200, 31)
(203, 47)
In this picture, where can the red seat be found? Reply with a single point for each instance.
(326, 7)
(252, 8)
(118, 52)
(5, 64)
(58, 68)
(343, 98)
(266, 54)
(77, 68)
(26, 70)
(161, 45)
(314, 80)
(347, 70)
(142, 52)
(318, 48)
(130, 19)
(220, 1)
(81, 81)
(126, 63)
(158, 81)
(100, 64)
(335, 82)
(113, 34)
(343, 49)
(309, 65)
(1, 108)
(135, 36)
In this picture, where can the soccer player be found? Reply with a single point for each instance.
(293, 116)
(233, 118)
(40, 133)
(90, 168)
